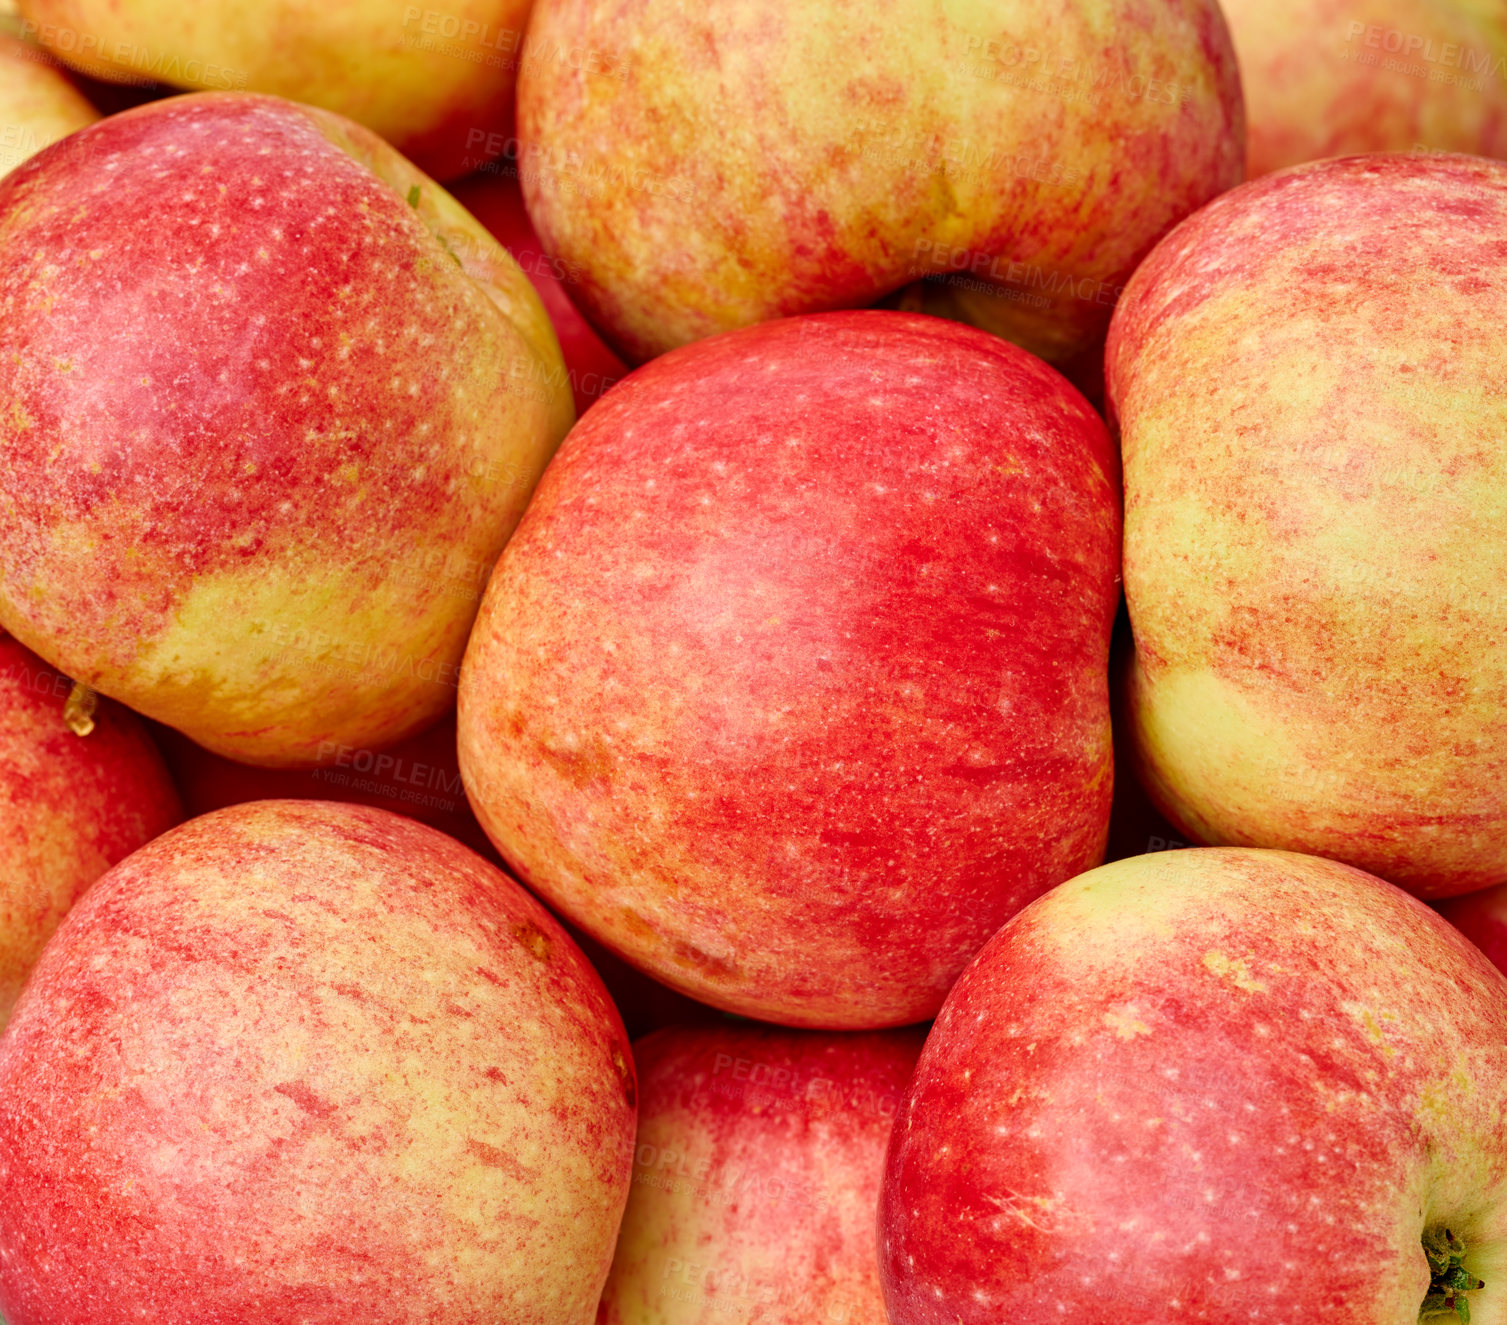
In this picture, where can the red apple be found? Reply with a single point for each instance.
(493, 198)
(71, 805)
(1218, 1085)
(274, 402)
(310, 1064)
(792, 685)
(1307, 379)
(709, 166)
(756, 1177)
(1482, 918)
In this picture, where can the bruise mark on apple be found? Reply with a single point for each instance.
(625, 1071)
(494, 1158)
(533, 939)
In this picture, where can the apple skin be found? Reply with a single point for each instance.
(70, 806)
(493, 197)
(792, 685)
(392, 66)
(756, 1177)
(263, 442)
(311, 1063)
(1314, 554)
(744, 160)
(1219, 1085)
(1310, 93)
(38, 103)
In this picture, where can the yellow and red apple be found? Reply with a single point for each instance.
(273, 404)
(72, 804)
(714, 165)
(1338, 77)
(756, 1177)
(792, 685)
(1218, 1085)
(427, 76)
(1307, 378)
(38, 103)
(312, 1063)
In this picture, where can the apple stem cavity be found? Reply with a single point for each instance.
(78, 711)
(1449, 1281)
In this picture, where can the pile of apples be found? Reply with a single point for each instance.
(587, 587)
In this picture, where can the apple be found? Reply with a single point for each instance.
(756, 1177)
(1306, 379)
(71, 805)
(429, 77)
(38, 104)
(710, 166)
(1221, 1085)
(314, 1063)
(792, 685)
(274, 404)
(1338, 77)
(492, 196)
(1482, 918)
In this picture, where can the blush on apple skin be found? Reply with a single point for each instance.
(1219, 1085)
(710, 167)
(493, 198)
(792, 685)
(1329, 78)
(70, 806)
(1314, 554)
(756, 1177)
(274, 404)
(311, 1064)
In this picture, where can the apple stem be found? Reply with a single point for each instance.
(78, 711)
(1449, 1281)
